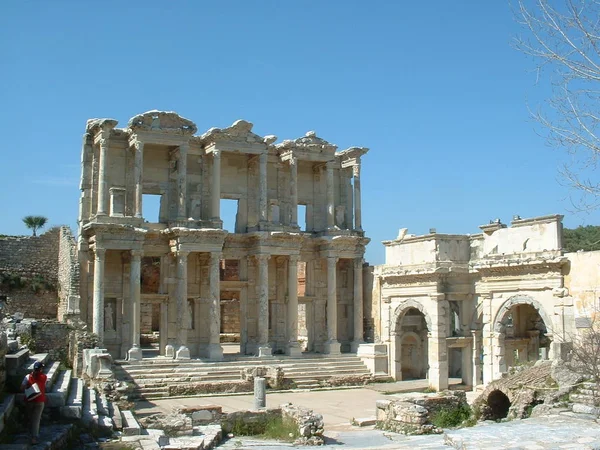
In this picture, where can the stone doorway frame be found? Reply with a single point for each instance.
(163, 325)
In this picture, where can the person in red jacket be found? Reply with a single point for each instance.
(35, 403)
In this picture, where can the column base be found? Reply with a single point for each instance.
(134, 353)
(182, 353)
(215, 352)
(332, 348)
(355, 345)
(169, 351)
(293, 350)
(265, 351)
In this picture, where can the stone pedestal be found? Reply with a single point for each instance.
(182, 353)
(215, 352)
(169, 351)
(375, 358)
(265, 351)
(332, 348)
(134, 353)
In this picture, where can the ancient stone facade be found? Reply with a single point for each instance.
(470, 306)
(176, 261)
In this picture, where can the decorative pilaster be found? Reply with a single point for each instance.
(293, 349)
(264, 349)
(138, 166)
(135, 353)
(332, 346)
(102, 185)
(262, 187)
(330, 197)
(98, 296)
(182, 182)
(183, 319)
(358, 305)
(437, 350)
(216, 186)
(294, 191)
(215, 351)
(357, 205)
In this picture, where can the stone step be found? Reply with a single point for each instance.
(52, 370)
(583, 399)
(74, 404)
(89, 414)
(57, 396)
(131, 427)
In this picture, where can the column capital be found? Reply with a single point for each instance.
(294, 258)
(136, 253)
(184, 146)
(293, 161)
(99, 252)
(262, 257)
(181, 253)
(358, 262)
(216, 153)
(333, 258)
(356, 170)
(216, 255)
(103, 143)
(329, 165)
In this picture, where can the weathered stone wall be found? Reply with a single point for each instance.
(3, 351)
(29, 274)
(52, 338)
(68, 275)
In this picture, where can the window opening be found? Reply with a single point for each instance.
(302, 217)
(229, 211)
(151, 207)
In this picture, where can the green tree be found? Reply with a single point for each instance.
(563, 38)
(34, 223)
(581, 238)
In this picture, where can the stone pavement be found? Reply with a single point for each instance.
(338, 407)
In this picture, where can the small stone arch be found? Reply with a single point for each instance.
(403, 308)
(502, 313)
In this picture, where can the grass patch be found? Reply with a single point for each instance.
(276, 428)
(450, 417)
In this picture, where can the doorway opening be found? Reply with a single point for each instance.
(411, 346)
(150, 311)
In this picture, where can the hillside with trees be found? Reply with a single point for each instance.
(581, 238)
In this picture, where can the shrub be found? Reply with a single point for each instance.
(450, 417)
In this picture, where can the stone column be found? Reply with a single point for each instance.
(330, 196)
(486, 338)
(357, 206)
(293, 349)
(138, 169)
(135, 353)
(216, 186)
(98, 296)
(358, 305)
(262, 187)
(183, 319)
(499, 357)
(332, 346)
(102, 184)
(215, 351)
(264, 349)
(437, 351)
(182, 182)
(349, 201)
(294, 191)
(476, 358)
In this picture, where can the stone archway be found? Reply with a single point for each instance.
(499, 404)
(409, 355)
(519, 331)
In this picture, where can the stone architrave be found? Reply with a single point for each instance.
(332, 346)
(264, 349)
(215, 351)
(98, 305)
(293, 348)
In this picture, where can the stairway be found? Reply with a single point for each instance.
(586, 400)
(152, 376)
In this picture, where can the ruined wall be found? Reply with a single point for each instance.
(51, 338)
(68, 275)
(29, 274)
(582, 279)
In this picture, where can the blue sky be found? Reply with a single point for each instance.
(434, 89)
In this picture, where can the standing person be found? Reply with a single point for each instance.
(35, 405)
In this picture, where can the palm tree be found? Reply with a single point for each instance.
(34, 223)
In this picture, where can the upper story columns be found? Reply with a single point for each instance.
(357, 199)
(262, 187)
(103, 128)
(350, 159)
(330, 195)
